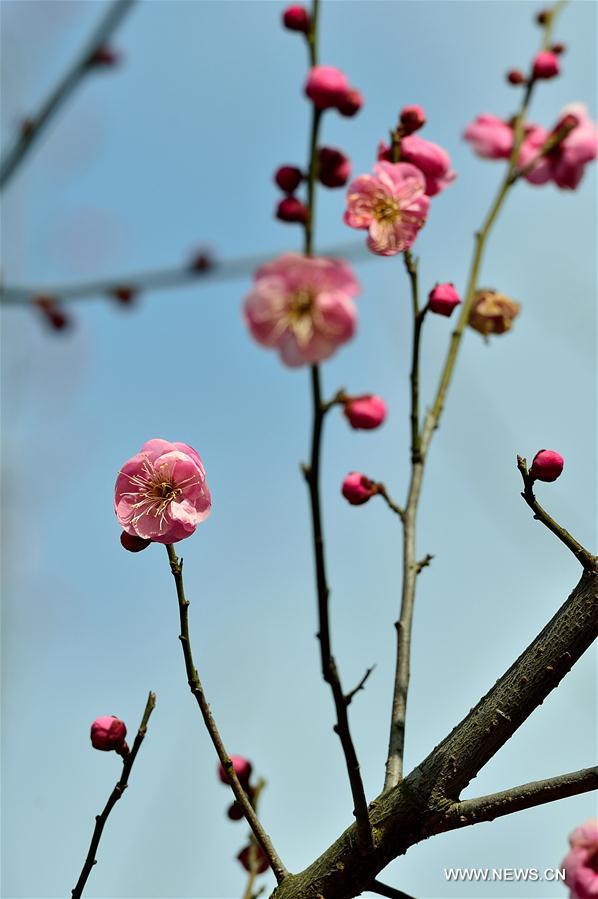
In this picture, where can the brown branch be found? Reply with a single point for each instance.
(583, 556)
(517, 799)
(34, 126)
(195, 685)
(381, 889)
(360, 686)
(423, 802)
(116, 794)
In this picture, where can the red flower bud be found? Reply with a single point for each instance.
(254, 857)
(547, 465)
(350, 103)
(234, 811)
(546, 65)
(290, 209)
(364, 413)
(242, 768)
(357, 489)
(516, 76)
(334, 168)
(288, 178)
(296, 18)
(412, 118)
(443, 299)
(53, 314)
(108, 733)
(133, 543)
(558, 48)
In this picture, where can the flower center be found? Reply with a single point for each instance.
(387, 210)
(300, 315)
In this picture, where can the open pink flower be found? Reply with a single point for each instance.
(431, 159)
(303, 306)
(490, 137)
(391, 204)
(565, 164)
(581, 863)
(161, 493)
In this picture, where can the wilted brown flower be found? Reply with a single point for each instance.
(492, 312)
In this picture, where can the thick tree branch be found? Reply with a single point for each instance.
(422, 803)
(195, 685)
(581, 554)
(116, 794)
(35, 125)
(539, 792)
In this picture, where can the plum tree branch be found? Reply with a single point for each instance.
(34, 126)
(196, 687)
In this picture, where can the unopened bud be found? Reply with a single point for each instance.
(351, 103)
(334, 168)
(296, 18)
(357, 489)
(54, 316)
(253, 858)
(558, 48)
(515, 76)
(546, 65)
(442, 299)
(412, 118)
(547, 465)
(288, 178)
(364, 413)
(104, 57)
(133, 543)
(242, 768)
(108, 733)
(290, 209)
(234, 811)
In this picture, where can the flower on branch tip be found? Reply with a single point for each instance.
(242, 768)
(290, 209)
(334, 168)
(108, 733)
(391, 204)
(253, 857)
(565, 163)
(412, 118)
(53, 315)
(581, 863)
(431, 159)
(329, 88)
(357, 489)
(161, 494)
(492, 312)
(296, 18)
(303, 307)
(288, 178)
(442, 299)
(546, 65)
(547, 465)
(364, 413)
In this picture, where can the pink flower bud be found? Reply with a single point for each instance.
(125, 295)
(364, 413)
(108, 733)
(546, 65)
(443, 299)
(412, 118)
(290, 209)
(334, 168)
(326, 87)
(296, 18)
(547, 465)
(53, 314)
(242, 768)
(104, 56)
(351, 103)
(288, 178)
(357, 489)
(260, 859)
(234, 811)
(515, 76)
(133, 543)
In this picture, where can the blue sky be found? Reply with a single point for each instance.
(176, 149)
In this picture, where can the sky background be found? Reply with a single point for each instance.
(173, 150)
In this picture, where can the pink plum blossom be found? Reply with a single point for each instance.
(565, 164)
(326, 87)
(490, 137)
(391, 204)
(108, 733)
(581, 863)
(161, 493)
(546, 65)
(302, 306)
(547, 465)
(431, 159)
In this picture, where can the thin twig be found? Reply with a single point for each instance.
(253, 873)
(583, 556)
(36, 124)
(524, 796)
(176, 567)
(394, 762)
(383, 889)
(360, 685)
(312, 476)
(116, 794)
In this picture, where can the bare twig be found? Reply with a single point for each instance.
(35, 125)
(360, 685)
(583, 556)
(382, 889)
(116, 794)
(176, 567)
